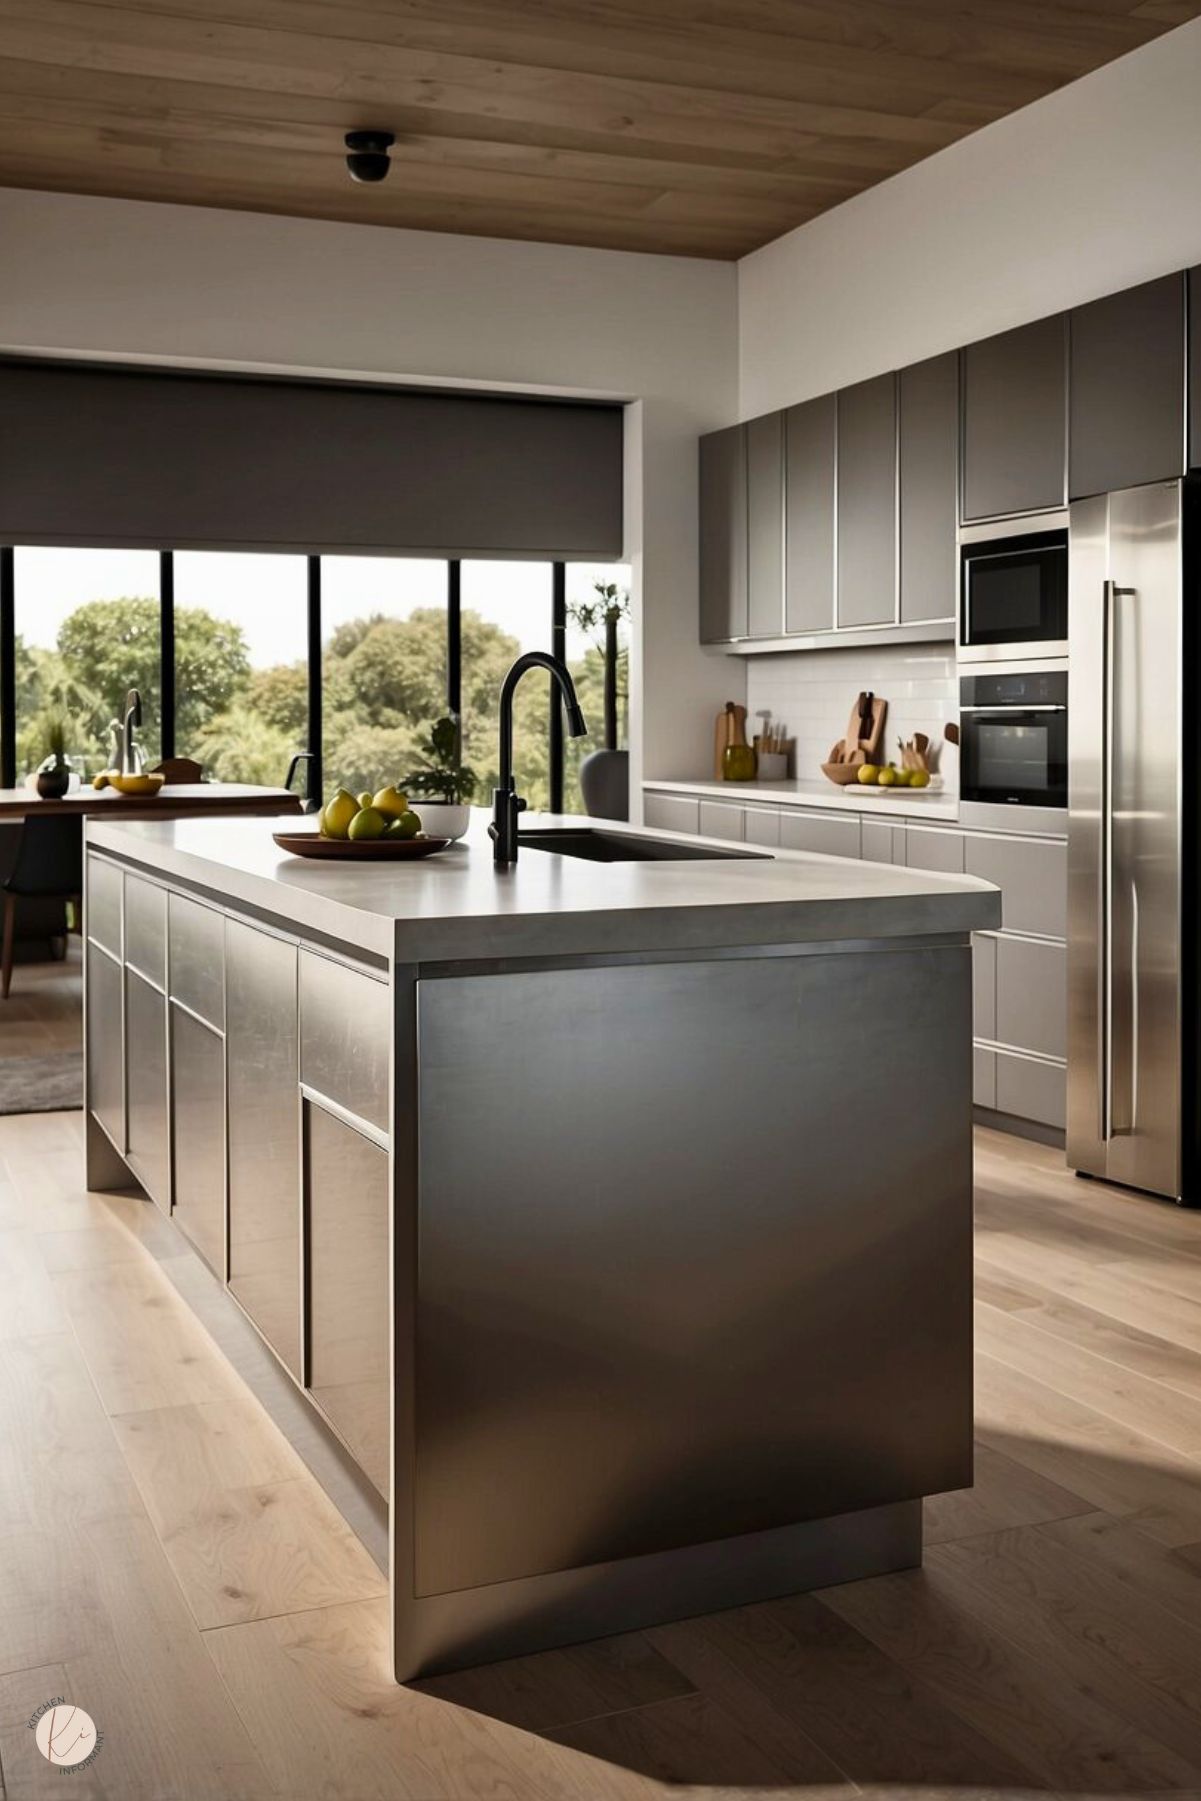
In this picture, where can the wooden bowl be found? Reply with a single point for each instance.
(841, 774)
(358, 850)
(136, 784)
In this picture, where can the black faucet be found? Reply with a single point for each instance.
(506, 802)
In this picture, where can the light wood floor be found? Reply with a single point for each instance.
(168, 1563)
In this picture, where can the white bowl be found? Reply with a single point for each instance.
(441, 820)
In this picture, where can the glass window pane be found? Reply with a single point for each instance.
(241, 662)
(505, 610)
(383, 624)
(87, 628)
(592, 591)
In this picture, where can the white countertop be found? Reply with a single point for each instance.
(458, 905)
(893, 803)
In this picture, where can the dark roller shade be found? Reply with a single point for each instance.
(103, 456)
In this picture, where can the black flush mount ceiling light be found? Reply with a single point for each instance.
(367, 154)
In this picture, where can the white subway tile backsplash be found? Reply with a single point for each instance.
(813, 691)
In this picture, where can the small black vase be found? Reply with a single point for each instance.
(54, 782)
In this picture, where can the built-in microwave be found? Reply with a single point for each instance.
(1013, 741)
(1013, 591)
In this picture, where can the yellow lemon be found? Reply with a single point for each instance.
(391, 802)
(869, 772)
(337, 814)
(367, 823)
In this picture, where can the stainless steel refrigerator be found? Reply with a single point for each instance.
(1132, 604)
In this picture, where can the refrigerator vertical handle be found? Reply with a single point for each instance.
(1105, 877)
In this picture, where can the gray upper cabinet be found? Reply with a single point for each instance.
(1015, 421)
(765, 525)
(723, 535)
(1127, 389)
(867, 503)
(810, 441)
(928, 397)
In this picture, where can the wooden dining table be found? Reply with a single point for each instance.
(174, 800)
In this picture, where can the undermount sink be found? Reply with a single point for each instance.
(596, 845)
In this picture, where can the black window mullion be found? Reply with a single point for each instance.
(454, 637)
(315, 774)
(8, 672)
(166, 614)
(558, 645)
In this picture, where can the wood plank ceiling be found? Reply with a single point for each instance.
(694, 127)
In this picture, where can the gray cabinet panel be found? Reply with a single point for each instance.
(146, 929)
(830, 835)
(723, 535)
(671, 813)
(103, 917)
(106, 1080)
(587, 1353)
(1032, 875)
(765, 526)
(1127, 389)
(811, 436)
(1031, 1090)
(197, 939)
(1194, 368)
(262, 1047)
(984, 986)
(1015, 421)
(928, 397)
(939, 851)
(882, 842)
(722, 819)
(198, 1135)
(867, 502)
(148, 1147)
(1032, 995)
(345, 1036)
(762, 826)
(348, 1287)
(984, 1077)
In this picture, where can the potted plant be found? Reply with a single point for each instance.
(441, 791)
(54, 775)
(605, 773)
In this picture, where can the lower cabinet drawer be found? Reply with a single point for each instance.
(198, 1140)
(1032, 1002)
(984, 986)
(1032, 875)
(345, 1036)
(984, 1077)
(939, 851)
(722, 819)
(763, 826)
(106, 1074)
(1030, 1089)
(829, 837)
(146, 1087)
(671, 812)
(882, 842)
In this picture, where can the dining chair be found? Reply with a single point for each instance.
(179, 769)
(48, 866)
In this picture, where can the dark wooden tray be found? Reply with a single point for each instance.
(350, 850)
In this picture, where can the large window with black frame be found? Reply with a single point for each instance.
(246, 659)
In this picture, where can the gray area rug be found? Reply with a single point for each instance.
(41, 1084)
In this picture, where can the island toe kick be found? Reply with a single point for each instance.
(639, 1284)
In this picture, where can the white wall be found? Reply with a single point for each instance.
(123, 279)
(1091, 190)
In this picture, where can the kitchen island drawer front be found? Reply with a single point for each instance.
(941, 852)
(349, 1332)
(106, 1075)
(575, 1402)
(671, 813)
(103, 918)
(146, 929)
(197, 938)
(345, 1036)
(882, 842)
(984, 1078)
(723, 819)
(1030, 1089)
(1032, 995)
(198, 1135)
(262, 1047)
(829, 836)
(1032, 875)
(146, 1088)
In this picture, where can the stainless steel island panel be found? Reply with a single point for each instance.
(680, 1279)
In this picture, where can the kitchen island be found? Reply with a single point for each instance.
(612, 1209)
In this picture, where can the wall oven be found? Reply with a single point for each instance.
(1014, 591)
(1013, 745)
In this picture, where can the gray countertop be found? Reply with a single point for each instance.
(456, 905)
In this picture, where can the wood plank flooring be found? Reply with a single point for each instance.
(168, 1562)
